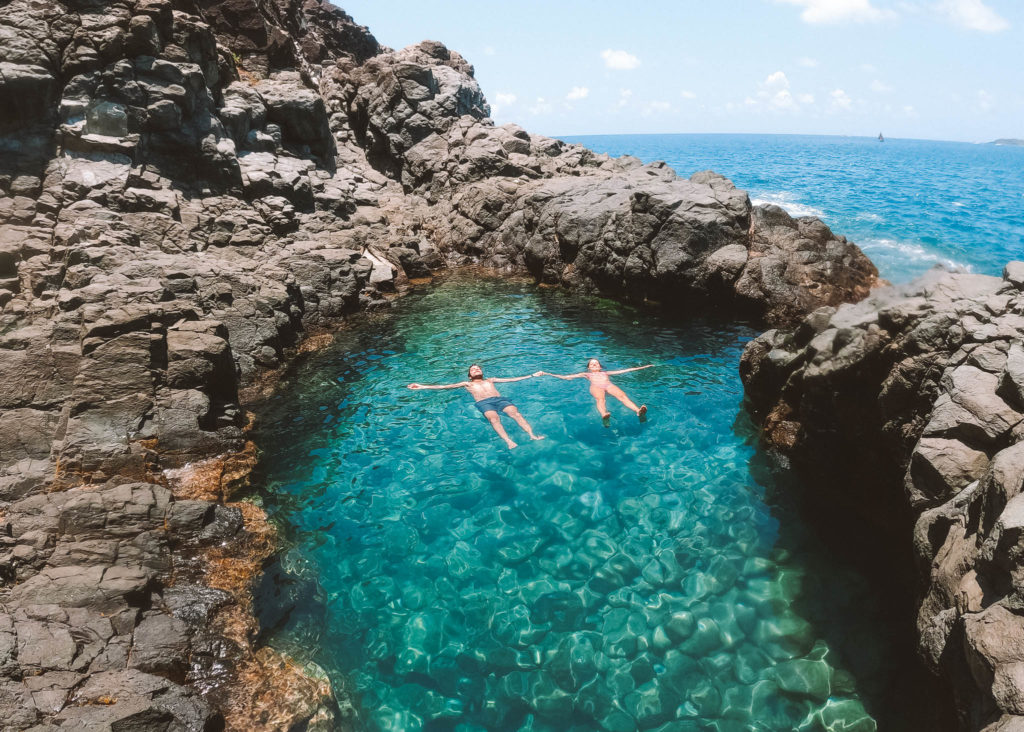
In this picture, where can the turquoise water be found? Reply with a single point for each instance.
(637, 576)
(909, 204)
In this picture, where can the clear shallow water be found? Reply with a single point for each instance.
(909, 204)
(604, 578)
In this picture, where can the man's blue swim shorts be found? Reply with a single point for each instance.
(493, 404)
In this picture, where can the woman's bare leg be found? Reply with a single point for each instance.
(599, 398)
(621, 396)
(495, 421)
(512, 412)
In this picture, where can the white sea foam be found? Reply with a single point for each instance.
(912, 252)
(786, 201)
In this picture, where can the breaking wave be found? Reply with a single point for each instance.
(786, 201)
(910, 252)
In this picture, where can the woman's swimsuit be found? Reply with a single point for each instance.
(493, 404)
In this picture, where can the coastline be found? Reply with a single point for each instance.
(158, 260)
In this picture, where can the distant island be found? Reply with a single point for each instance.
(1008, 141)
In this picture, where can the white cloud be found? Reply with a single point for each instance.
(577, 92)
(840, 100)
(505, 100)
(807, 62)
(685, 94)
(775, 92)
(837, 11)
(777, 80)
(624, 96)
(972, 15)
(868, 68)
(880, 87)
(489, 51)
(539, 107)
(775, 95)
(620, 60)
(985, 100)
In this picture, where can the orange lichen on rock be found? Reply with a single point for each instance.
(316, 342)
(273, 692)
(233, 568)
(780, 430)
(213, 479)
(269, 690)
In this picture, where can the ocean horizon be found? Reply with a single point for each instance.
(874, 137)
(909, 204)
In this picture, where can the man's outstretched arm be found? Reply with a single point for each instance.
(507, 379)
(439, 386)
(635, 368)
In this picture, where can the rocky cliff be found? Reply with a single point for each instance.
(188, 191)
(908, 409)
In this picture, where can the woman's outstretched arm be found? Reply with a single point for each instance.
(560, 376)
(635, 368)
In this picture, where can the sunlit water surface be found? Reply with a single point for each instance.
(635, 576)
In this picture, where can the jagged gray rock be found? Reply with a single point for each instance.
(908, 400)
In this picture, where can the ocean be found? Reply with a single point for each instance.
(909, 204)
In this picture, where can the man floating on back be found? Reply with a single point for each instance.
(490, 402)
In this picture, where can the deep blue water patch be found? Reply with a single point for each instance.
(909, 204)
(604, 578)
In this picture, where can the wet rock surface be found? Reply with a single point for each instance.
(909, 402)
(187, 190)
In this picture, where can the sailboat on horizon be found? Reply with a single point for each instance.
(880, 138)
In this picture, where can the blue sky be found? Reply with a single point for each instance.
(934, 69)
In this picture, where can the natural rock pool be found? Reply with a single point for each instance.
(605, 578)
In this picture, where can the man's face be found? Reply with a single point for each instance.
(475, 372)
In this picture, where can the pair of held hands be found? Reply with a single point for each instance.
(538, 373)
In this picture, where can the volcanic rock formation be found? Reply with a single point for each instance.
(189, 189)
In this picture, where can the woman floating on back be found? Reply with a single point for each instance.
(601, 386)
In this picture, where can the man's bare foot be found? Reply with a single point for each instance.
(511, 445)
(642, 413)
(606, 419)
(536, 437)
